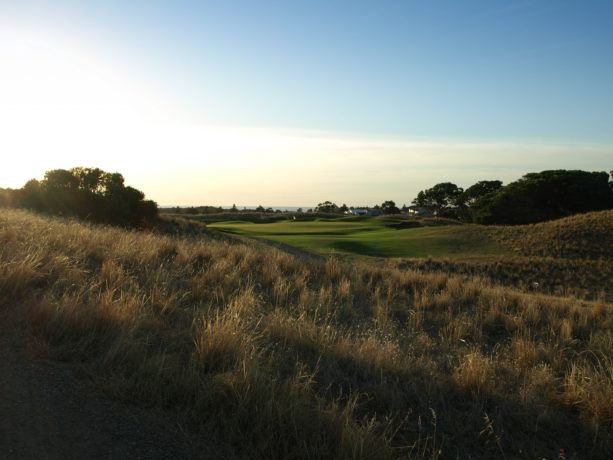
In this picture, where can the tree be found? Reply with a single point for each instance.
(326, 206)
(544, 196)
(440, 198)
(60, 179)
(472, 194)
(389, 207)
(88, 193)
(479, 190)
(90, 179)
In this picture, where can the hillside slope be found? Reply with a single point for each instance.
(279, 357)
(567, 257)
(583, 236)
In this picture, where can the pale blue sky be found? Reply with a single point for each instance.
(404, 83)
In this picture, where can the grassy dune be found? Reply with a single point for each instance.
(280, 357)
(566, 257)
(583, 236)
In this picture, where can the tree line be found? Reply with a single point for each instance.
(87, 193)
(535, 197)
(103, 197)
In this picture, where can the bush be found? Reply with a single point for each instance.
(87, 193)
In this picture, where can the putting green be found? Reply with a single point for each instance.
(372, 237)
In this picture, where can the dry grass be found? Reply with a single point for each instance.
(581, 278)
(280, 357)
(567, 257)
(582, 236)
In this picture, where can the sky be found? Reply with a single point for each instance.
(285, 103)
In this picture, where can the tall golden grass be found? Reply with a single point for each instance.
(582, 236)
(281, 357)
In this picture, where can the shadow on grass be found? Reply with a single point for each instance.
(435, 418)
(356, 247)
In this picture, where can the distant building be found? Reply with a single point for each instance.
(418, 211)
(357, 211)
(363, 212)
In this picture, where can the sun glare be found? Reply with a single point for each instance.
(64, 105)
(61, 106)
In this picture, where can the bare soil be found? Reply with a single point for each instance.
(47, 413)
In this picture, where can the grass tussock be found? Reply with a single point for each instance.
(281, 357)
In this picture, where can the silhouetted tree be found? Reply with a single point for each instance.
(544, 196)
(88, 193)
(441, 198)
(479, 190)
(467, 199)
(389, 207)
(326, 206)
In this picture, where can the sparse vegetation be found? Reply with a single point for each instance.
(281, 357)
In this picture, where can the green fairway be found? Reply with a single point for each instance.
(371, 237)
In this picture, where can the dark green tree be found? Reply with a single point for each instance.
(326, 206)
(544, 196)
(90, 179)
(89, 193)
(389, 207)
(440, 198)
(479, 190)
(60, 179)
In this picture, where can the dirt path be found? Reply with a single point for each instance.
(293, 250)
(45, 413)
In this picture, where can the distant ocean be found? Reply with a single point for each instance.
(240, 207)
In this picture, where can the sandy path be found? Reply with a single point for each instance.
(45, 413)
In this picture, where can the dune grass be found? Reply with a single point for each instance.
(372, 237)
(582, 236)
(281, 357)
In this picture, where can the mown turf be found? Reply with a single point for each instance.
(373, 237)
